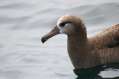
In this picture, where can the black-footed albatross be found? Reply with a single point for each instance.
(87, 53)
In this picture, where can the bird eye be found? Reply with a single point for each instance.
(63, 23)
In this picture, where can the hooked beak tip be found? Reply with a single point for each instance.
(43, 40)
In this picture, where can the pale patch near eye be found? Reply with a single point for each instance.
(61, 30)
(67, 28)
(68, 25)
(58, 22)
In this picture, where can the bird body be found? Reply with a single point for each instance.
(87, 52)
(106, 45)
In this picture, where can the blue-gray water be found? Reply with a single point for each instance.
(23, 22)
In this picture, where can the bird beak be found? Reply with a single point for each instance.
(52, 33)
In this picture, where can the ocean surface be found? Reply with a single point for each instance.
(24, 22)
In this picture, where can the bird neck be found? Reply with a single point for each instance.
(79, 50)
(78, 40)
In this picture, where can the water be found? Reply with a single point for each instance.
(23, 22)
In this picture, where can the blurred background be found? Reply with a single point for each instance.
(23, 22)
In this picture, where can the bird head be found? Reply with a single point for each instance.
(67, 24)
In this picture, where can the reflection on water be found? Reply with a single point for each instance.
(22, 23)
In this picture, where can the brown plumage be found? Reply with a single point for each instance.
(84, 52)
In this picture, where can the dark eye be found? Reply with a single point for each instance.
(63, 23)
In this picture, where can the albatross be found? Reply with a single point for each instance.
(87, 52)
